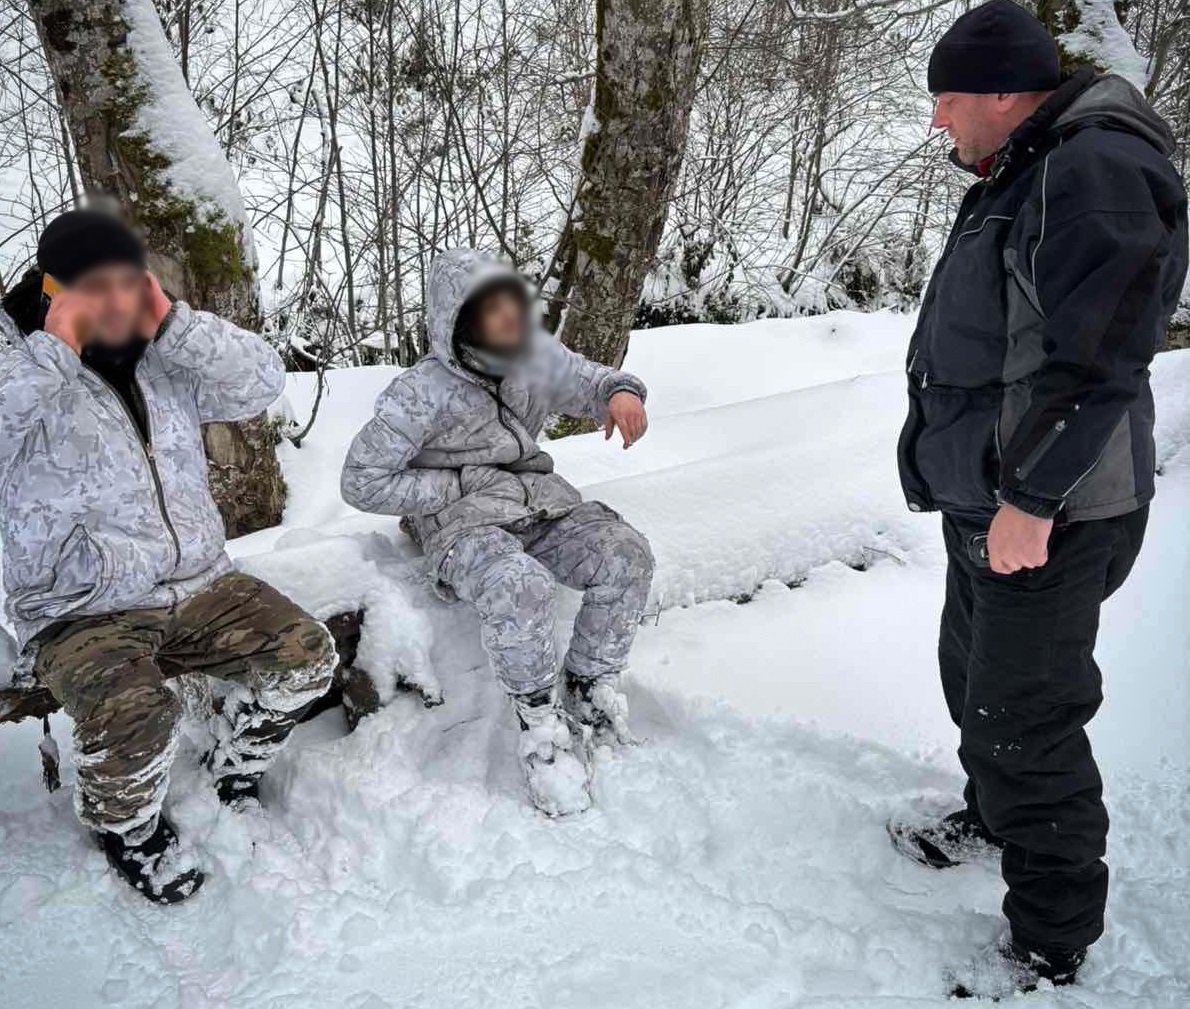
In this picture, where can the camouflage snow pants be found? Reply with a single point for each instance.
(510, 577)
(109, 673)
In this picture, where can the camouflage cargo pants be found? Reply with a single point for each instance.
(510, 577)
(109, 674)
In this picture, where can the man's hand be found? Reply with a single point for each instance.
(1018, 540)
(157, 307)
(626, 412)
(70, 318)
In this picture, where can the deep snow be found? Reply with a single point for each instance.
(785, 690)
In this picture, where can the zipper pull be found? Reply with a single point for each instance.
(925, 379)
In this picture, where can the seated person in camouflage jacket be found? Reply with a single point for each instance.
(114, 568)
(453, 447)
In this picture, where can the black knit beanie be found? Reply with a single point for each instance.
(997, 47)
(80, 240)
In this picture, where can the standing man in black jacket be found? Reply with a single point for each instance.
(1031, 429)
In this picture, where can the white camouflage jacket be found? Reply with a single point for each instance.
(454, 451)
(93, 519)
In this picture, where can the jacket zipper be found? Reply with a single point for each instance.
(923, 379)
(520, 448)
(500, 408)
(150, 455)
(1034, 457)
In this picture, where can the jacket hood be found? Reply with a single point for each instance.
(10, 332)
(1112, 102)
(456, 277)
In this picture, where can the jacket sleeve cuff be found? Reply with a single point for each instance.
(623, 382)
(1041, 507)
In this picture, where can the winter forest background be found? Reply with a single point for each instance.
(368, 134)
(297, 164)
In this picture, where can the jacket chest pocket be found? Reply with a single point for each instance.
(469, 421)
(74, 575)
(968, 324)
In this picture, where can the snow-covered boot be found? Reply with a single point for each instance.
(155, 865)
(597, 702)
(1006, 968)
(553, 755)
(956, 839)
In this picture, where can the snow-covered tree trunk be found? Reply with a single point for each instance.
(1092, 31)
(140, 138)
(648, 59)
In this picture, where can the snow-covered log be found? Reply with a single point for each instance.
(331, 577)
(141, 139)
(635, 138)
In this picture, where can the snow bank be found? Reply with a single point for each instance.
(769, 489)
(1171, 388)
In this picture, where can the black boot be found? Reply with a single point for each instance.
(956, 839)
(238, 790)
(1007, 968)
(154, 866)
(598, 702)
(1058, 966)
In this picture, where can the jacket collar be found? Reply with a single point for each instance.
(1035, 135)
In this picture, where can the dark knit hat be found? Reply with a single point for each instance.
(997, 47)
(80, 240)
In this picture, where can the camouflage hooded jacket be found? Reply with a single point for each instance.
(455, 451)
(94, 519)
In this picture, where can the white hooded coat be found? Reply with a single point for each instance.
(443, 437)
(94, 520)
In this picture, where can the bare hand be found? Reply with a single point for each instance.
(626, 412)
(71, 318)
(1018, 540)
(157, 307)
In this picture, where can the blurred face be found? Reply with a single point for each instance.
(118, 294)
(979, 124)
(501, 321)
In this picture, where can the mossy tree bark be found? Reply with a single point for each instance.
(647, 68)
(141, 139)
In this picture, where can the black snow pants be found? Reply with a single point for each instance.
(1021, 683)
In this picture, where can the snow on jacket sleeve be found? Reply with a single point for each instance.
(1100, 270)
(582, 388)
(377, 476)
(29, 381)
(236, 373)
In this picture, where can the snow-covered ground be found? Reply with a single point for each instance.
(785, 689)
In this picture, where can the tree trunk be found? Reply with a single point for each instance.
(1092, 32)
(648, 59)
(141, 139)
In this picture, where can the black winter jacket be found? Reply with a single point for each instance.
(1028, 369)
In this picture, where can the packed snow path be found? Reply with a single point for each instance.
(736, 857)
